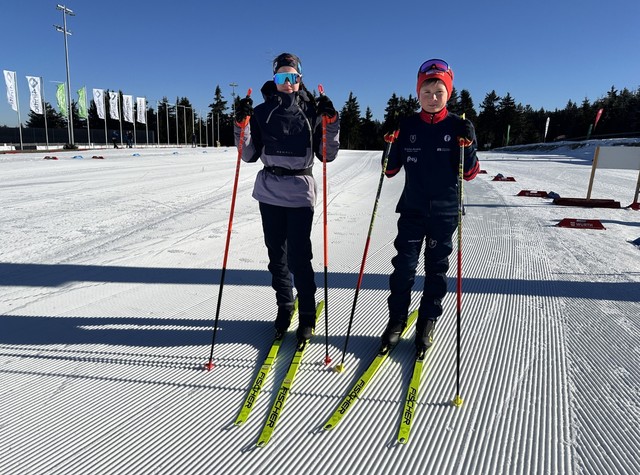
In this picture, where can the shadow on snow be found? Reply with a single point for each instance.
(56, 275)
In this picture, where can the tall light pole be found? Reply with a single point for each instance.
(66, 11)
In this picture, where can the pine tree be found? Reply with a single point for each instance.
(217, 117)
(350, 124)
(392, 114)
(486, 121)
(54, 119)
(186, 120)
(508, 119)
(370, 132)
(453, 104)
(466, 106)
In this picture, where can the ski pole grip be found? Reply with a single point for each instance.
(249, 92)
(321, 89)
(391, 136)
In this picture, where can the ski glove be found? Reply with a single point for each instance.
(467, 134)
(391, 123)
(391, 136)
(244, 110)
(325, 107)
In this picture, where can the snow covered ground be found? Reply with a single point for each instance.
(109, 275)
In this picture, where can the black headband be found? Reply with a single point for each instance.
(287, 59)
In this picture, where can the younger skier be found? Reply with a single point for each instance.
(285, 132)
(428, 147)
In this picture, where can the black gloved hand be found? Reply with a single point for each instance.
(325, 107)
(391, 123)
(244, 110)
(467, 134)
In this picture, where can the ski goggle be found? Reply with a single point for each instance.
(433, 65)
(281, 78)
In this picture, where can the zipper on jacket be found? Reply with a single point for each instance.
(306, 119)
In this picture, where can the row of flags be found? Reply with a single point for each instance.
(36, 102)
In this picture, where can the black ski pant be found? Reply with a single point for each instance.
(287, 234)
(436, 233)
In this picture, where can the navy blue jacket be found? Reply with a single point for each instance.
(427, 147)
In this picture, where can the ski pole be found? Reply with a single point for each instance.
(389, 138)
(457, 400)
(210, 364)
(327, 358)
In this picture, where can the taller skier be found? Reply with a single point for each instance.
(427, 147)
(285, 132)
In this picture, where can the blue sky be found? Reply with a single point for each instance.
(543, 53)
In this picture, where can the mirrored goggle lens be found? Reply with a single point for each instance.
(281, 78)
(434, 65)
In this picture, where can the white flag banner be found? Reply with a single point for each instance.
(10, 80)
(114, 110)
(127, 108)
(35, 95)
(142, 109)
(98, 99)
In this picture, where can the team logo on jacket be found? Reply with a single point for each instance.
(447, 138)
(411, 159)
(413, 138)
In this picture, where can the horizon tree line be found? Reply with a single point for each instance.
(500, 121)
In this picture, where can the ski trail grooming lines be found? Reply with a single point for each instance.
(210, 364)
(283, 392)
(256, 387)
(358, 388)
(327, 358)
(389, 138)
(457, 400)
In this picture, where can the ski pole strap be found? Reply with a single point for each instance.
(281, 171)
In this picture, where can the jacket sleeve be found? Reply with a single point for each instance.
(252, 143)
(471, 162)
(333, 138)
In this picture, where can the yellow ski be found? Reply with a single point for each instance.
(283, 392)
(360, 385)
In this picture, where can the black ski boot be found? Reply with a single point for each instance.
(391, 334)
(305, 328)
(424, 335)
(283, 320)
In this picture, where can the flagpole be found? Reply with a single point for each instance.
(134, 113)
(18, 111)
(158, 122)
(120, 118)
(213, 129)
(206, 129)
(44, 104)
(146, 120)
(166, 109)
(87, 118)
(104, 114)
(177, 129)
